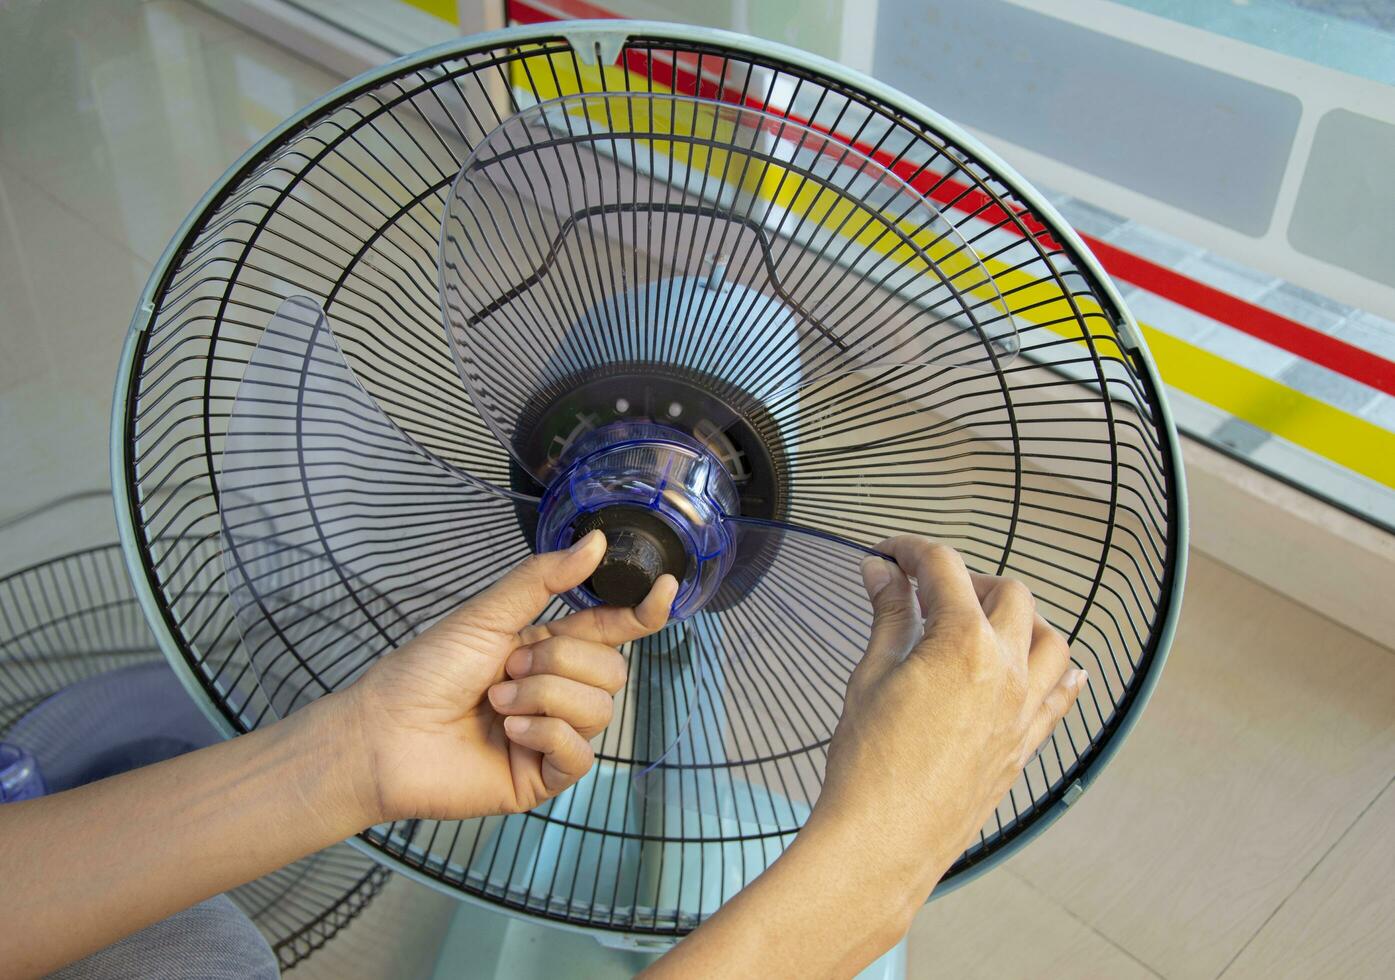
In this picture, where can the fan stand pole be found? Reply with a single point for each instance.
(679, 724)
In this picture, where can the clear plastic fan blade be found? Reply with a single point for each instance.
(341, 536)
(753, 696)
(602, 234)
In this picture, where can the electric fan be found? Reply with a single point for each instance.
(743, 309)
(84, 694)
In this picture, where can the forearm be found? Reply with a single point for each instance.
(88, 866)
(824, 909)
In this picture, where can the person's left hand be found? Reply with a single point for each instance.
(488, 713)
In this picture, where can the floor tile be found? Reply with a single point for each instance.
(1001, 928)
(67, 295)
(1305, 306)
(1172, 318)
(1088, 219)
(1370, 333)
(1337, 924)
(1157, 246)
(1250, 352)
(134, 110)
(1382, 412)
(1333, 481)
(1329, 386)
(1240, 436)
(1230, 277)
(399, 27)
(1270, 731)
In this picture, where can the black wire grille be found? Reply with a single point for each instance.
(1055, 466)
(74, 618)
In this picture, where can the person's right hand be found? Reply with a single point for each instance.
(961, 684)
(488, 712)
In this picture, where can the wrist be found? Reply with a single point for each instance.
(872, 873)
(340, 783)
(852, 910)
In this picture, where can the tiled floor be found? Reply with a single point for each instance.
(114, 120)
(1269, 737)
(1238, 829)
(1243, 832)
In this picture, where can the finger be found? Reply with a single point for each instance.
(614, 625)
(515, 600)
(943, 585)
(1053, 708)
(590, 663)
(983, 584)
(1048, 658)
(587, 709)
(895, 616)
(1011, 610)
(566, 756)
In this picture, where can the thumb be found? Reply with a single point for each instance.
(895, 622)
(520, 596)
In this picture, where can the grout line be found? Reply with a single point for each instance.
(1298, 603)
(243, 36)
(11, 226)
(1302, 881)
(286, 47)
(1071, 914)
(331, 79)
(92, 227)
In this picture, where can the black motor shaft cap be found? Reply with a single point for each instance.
(640, 546)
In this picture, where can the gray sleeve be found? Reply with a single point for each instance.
(213, 940)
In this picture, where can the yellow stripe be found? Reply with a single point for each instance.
(549, 76)
(1308, 422)
(1340, 436)
(1303, 420)
(444, 9)
(1311, 423)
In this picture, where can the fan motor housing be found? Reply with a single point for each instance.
(746, 442)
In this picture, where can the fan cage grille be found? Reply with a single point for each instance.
(74, 617)
(344, 205)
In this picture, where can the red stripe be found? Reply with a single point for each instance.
(526, 13)
(1320, 348)
(1290, 335)
(522, 14)
(675, 75)
(937, 187)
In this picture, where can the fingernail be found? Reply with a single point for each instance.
(876, 575)
(503, 694)
(1080, 678)
(522, 660)
(581, 543)
(517, 725)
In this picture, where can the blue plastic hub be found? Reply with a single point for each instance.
(660, 497)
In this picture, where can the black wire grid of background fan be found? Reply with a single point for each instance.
(74, 618)
(1059, 467)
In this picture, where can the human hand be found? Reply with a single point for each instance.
(955, 693)
(961, 684)
(487, 713)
